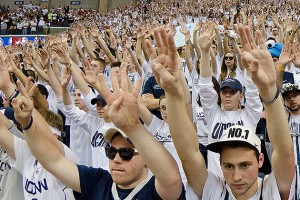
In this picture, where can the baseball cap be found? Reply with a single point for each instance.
(288, 87)
(109, 134)
(233, 83)
(236, 133)
(99, 98)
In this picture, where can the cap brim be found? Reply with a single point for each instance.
(109, 134)
(216, 146)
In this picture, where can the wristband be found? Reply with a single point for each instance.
(29, 125)
(275, 98)
(11, 96)
(279, 68)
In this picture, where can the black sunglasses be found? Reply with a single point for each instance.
(228, 57)
(124, 153)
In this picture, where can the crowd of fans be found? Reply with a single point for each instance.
(121, 68)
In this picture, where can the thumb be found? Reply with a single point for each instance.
(115, 106)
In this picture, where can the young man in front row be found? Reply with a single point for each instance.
(129, 164)
(241, 159)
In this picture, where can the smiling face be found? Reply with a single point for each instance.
(240, 169)
(126, 174)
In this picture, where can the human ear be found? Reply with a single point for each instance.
(261, 160)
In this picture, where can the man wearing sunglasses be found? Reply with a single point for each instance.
(129, 164)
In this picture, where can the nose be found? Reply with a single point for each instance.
(117, 158)
(237, 175)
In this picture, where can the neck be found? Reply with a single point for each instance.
(249, 193)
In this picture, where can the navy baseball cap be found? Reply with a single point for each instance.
(99, 98)
(232, 83)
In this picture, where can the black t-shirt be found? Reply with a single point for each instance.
(96, 184)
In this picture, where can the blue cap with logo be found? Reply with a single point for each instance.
(232, 83)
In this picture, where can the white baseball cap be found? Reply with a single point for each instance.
(236, 133)
(109, 134)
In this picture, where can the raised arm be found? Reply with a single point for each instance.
(124, 114)
(42, 143)
(260, 66)
(166, 71)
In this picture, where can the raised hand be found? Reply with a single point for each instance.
(45, 59)
(165, 65)
(124, 109)
(23, 105)
(205, 40)
(258, 62)
(184, 30)
(286, 55)
(62, 54)
(296, 52)
(65, 79)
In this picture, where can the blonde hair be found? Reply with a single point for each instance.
(224, 70)
(53, 119)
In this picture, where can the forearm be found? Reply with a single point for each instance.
(136, 63)
(89, 49)
(220, 44)
(54, 83)
(151, 103)
(145, 50)
(106, 50)
(196, 45)
(39, 101)
(66, 96)
(40, 72)
(205, 70)
(80, 82)
(188, 57)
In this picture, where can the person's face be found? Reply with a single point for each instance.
(97, 68)
(163, 109)
(275, 31)
(102, 113)
(292, 101)
(240, 169)
(133, 42)
(229, 60)
(126, 174)
(230, 99)
(77, 100)
(105, 58)
(214, 47)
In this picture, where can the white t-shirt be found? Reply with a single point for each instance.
(215, 188)
(38, 183)
(219, 120)
(161, 131)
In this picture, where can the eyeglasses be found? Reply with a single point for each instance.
(228, 57)
(124, 153)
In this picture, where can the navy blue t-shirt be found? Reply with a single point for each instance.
(152, 87)
(96, 184)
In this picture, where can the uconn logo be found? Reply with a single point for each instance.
(295, 129)
(220, 127)
(4, 166)
(36, 187)
(98, 140)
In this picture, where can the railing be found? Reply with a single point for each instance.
(39, 31)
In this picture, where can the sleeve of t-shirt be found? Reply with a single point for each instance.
(89, 177)
(22, 152)
(148, 87)
(214, 188)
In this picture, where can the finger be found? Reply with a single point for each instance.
(152, 51)
(115, 106)
(28, 84)
(15, 105)
(158, 40)
(137, 88)
(172, 53)
(164, 38)
(105, 90)
(260, 40)
(33, 89)
(250, 38)
(114, 80)
(124, 81)
(244, 38)
(162, 71)
(21, 88)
